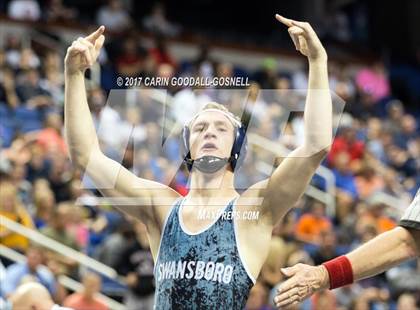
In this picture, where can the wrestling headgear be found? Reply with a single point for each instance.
(211, 164)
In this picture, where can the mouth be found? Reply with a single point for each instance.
(209, 147)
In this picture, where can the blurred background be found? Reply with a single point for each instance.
(362, 188)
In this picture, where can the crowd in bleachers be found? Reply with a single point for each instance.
(376, 149)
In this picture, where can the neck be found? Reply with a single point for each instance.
(205, 187)
(87, 296)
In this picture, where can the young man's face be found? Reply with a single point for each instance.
(211, 133)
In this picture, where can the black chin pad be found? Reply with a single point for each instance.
(210, 164)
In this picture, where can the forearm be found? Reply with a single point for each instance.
(381, 253)
(79, 129)
(318, 108)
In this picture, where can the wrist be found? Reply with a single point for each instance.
(319, 60)
(73, 72)
(324, 277)
(340, 272)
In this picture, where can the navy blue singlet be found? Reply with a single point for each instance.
(200, 270)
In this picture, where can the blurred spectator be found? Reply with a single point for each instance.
(395, 111)
(344, 178)
(310, 226)
(346, 142)
(110, 252)
(407, 133)
(371, 296)
(30, 91)
(258, 298)
(8, 94)
(23, 186)
(50, 137)
(57, 11)
(24, 9)
(132, 59)
(44, 203)
(56, 229)
(33, 267)
(28, 59)
(77, 224)
(374, 216)
(323, 300)
(160, 53)
(267, 76)
(280, 249)
(373, 82)
(33, 295)
(157, 22)
(105, 118)
(368, 182)
(86, 299)
(188, 102)
(406, 302)
(12, 208)
(327, 249)
(114, 16)
(136, 264)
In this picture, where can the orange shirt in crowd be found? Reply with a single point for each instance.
(309, 227)
(384, 224)
(78, 302)
(50, 139)
(381, 223)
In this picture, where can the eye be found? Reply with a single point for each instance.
(222, 129)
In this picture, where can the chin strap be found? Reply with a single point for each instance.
(208, 163)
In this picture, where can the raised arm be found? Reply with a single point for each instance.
(379, 254)
(82, 139)
(291, 177)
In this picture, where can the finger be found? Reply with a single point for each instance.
(85, 42)
(287, 294)
(302, 43)
(284, 20)
(91, 48)
(304, 25)
(293, 299)
(295, 34)
(96, 34)
(99, 42)
(76, 48)
(83, 49)
(290, 271)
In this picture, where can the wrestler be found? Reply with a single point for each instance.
(203, 263)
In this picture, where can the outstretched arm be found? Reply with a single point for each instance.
(82, 139)
(379, 254)
(291, 177)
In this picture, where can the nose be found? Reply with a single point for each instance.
(210, 132)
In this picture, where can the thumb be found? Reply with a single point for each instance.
(288, 272)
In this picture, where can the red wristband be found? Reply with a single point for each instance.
(340, 271)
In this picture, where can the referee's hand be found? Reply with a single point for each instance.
(83, 52)
(304, 280)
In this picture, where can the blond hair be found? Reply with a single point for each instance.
(236, 121)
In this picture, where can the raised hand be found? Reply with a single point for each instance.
(305, 39)
(304, 280)
(83, 52)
